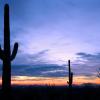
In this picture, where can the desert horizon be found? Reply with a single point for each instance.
(56, 81)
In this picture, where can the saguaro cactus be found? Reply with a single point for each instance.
(70, 76)
(5, 55)
(98, 75)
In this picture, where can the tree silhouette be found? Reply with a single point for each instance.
(5, 55)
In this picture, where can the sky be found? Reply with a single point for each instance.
(50, 32)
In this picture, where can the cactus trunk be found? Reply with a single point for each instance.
(69, 69)
(5, 55)
(6, 77)
(70, 75)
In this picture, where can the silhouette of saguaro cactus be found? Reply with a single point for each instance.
(5, 55)
(98, 75)
(70, 75)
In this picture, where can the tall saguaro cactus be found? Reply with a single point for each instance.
(70, 75)
(5, 55)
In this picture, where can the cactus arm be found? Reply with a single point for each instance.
(1, 53)
(13, 55)
(70, 79)
(67, 82)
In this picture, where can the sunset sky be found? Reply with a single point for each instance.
(50, 32)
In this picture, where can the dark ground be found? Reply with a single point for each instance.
(54, 93)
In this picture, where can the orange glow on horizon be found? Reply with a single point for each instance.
(26, 80)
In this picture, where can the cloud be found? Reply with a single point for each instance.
(90, 58)
(43, 69)
(39, 70)
(38, 55)
(29, 59)
(86, 64)
(36, 64)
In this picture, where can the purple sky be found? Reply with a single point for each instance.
(53, 31)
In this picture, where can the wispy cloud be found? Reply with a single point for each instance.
(40, 70)
(86, 64)
(92, 59)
